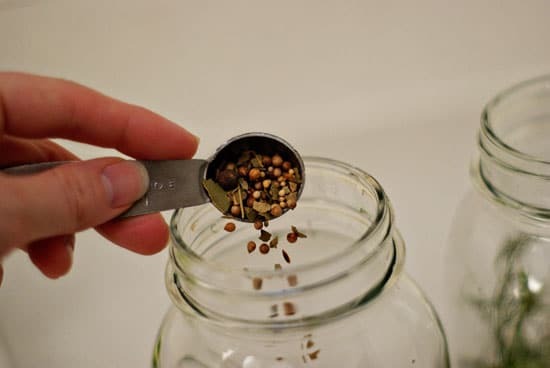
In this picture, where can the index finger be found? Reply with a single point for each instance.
(40, 107)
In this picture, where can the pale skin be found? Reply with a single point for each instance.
(41, 213)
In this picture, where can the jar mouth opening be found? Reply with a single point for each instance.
(381, 222)
(494, 134)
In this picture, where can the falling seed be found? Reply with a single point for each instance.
(274, 311)
(273, 243)
(289, 308)
(291, 237)
(278, 267)
(264, 235)
(264, 248)
(230, 227)
(257, 283)
(314, 355)
(258, 223)
(292, 280)
(309, 344)
(286, 256)
(251, 246)
(279, 358)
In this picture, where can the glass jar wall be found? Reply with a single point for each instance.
(498, 264)
(341, 298)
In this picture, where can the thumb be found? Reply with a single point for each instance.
(68, 198)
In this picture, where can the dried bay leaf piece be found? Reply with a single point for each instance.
(261, 207)
(217, 195)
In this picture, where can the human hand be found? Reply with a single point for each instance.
(40, 213)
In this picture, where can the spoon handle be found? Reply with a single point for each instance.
(172, 184)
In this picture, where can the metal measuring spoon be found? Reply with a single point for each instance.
(178, 183)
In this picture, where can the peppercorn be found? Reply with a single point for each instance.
(230, 227)
(227, 179)
(254, 174)
(277, 160)
(250, 201)
(251, 246)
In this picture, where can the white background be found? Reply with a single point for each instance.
(394, 87)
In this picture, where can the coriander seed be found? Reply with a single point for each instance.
(264, 248)
(266, 160)
(251, 246)
(230, 227)
(289, 309)
(277, 160)
(276, 210)
(257, 283)
(243, 171)
(235, 210)
(277, 172)
(292, 280)
(254, 174)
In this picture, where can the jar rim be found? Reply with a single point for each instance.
(488, 130)
(384, 213)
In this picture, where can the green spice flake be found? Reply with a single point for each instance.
(261, 207)
(217, 195)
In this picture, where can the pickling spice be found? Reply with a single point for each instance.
(255, 187)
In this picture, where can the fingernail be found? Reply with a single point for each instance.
(125, 182)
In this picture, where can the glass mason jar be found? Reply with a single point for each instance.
(498, 266)
(342, 299)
